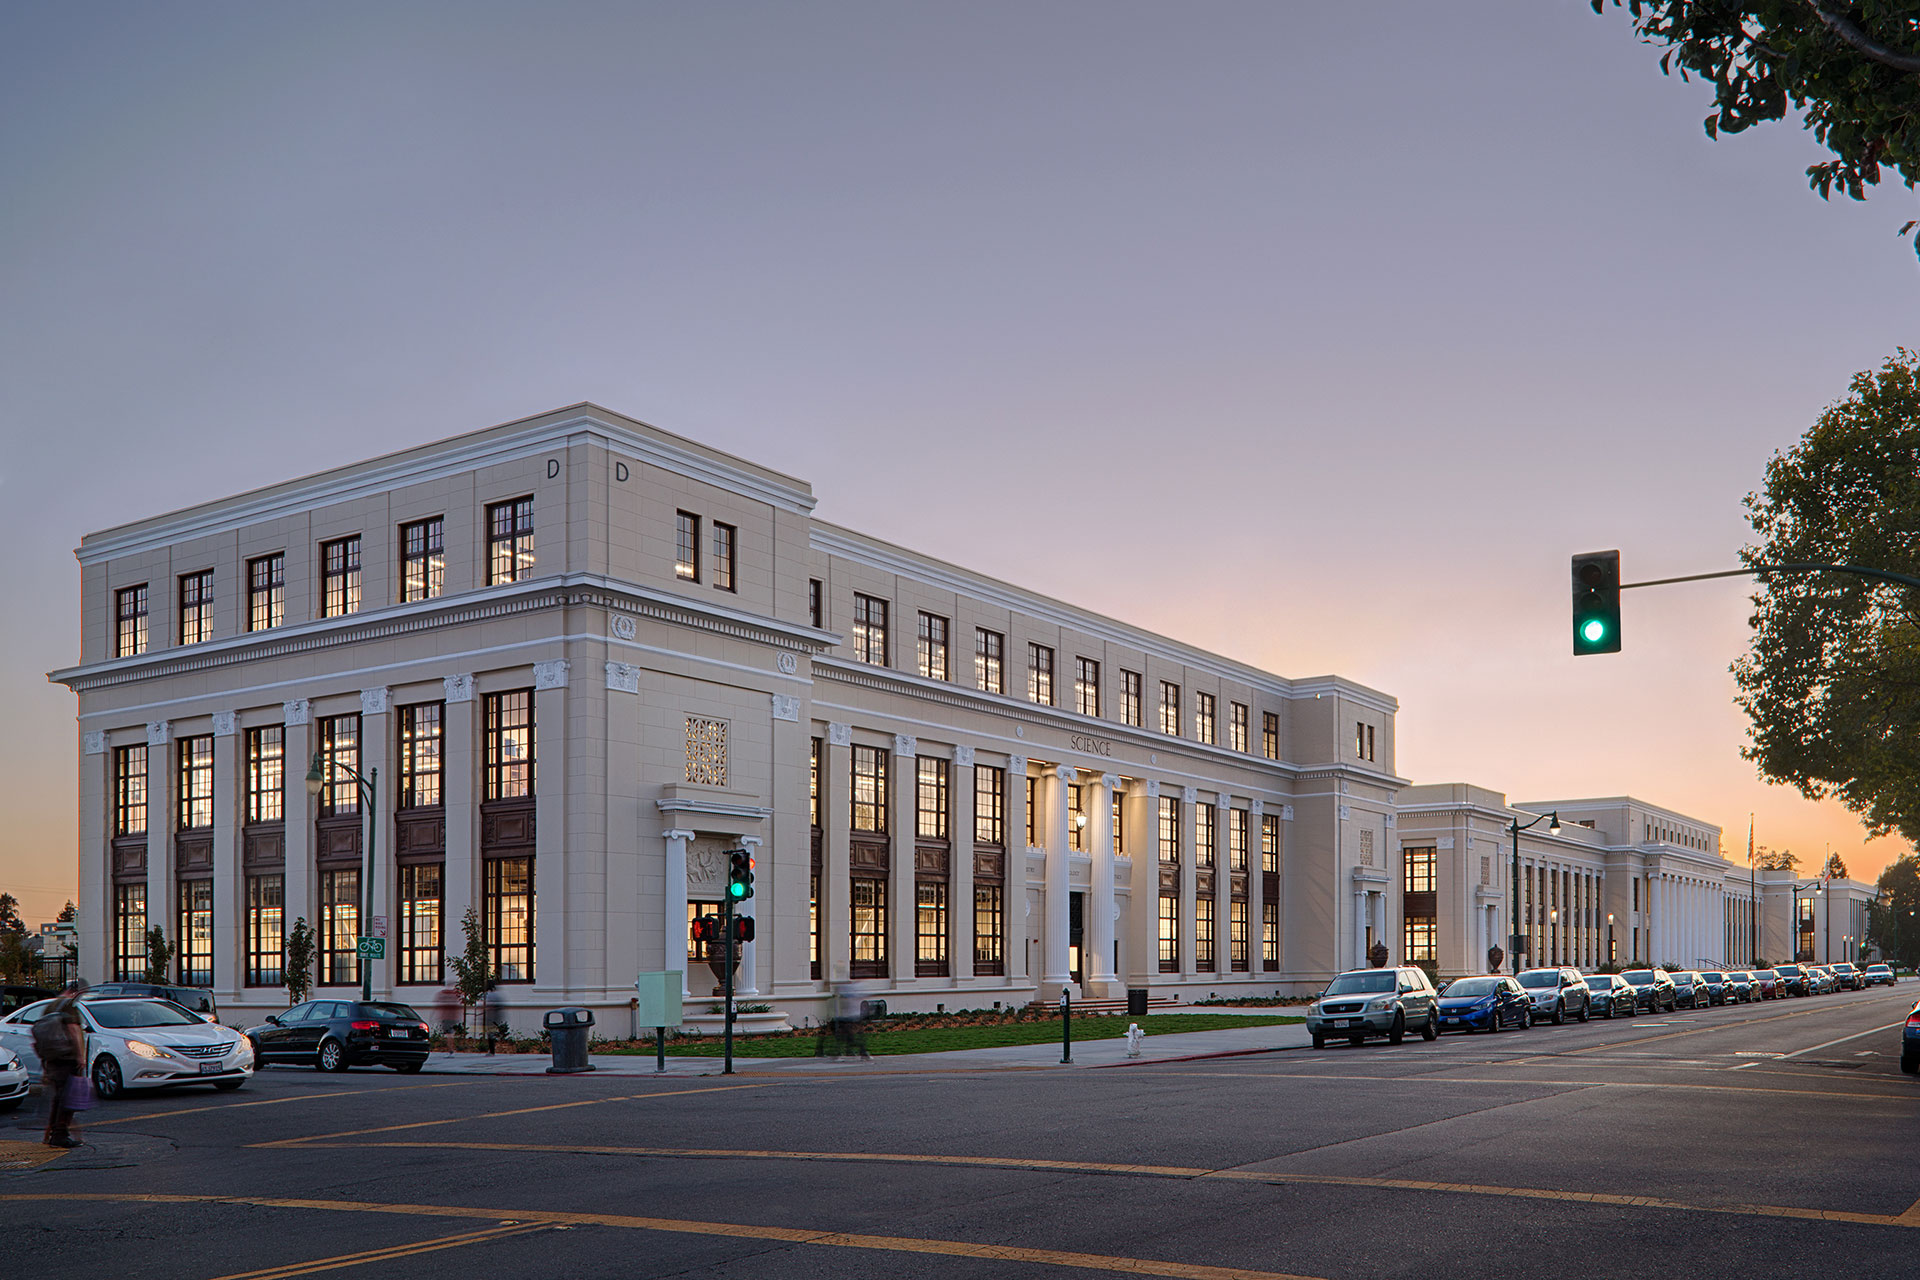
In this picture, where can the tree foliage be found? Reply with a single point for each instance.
(1893, 922)
(473, 967)
(68, 914)
(159, 954)
(1831, 683)
(1776, 859)
(10, 921)
(296, 969)
(1836, 868)
(1851, 67)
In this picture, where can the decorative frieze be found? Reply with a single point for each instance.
(550, 675)
(785, 707)
(296, 711)
(225, 723)
(373, 702)
(839, 735)
(457, 688)
(623, 677)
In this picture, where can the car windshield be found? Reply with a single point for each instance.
(1878, 968)
(1638, 976)
(1603, 983)
(1474, 987)
(141, 1013)
(1538, 978)
(1355, 984)
(1791, 970)
(1713, 977)
(392, 1011)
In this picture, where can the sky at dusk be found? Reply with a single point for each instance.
(1317, 335)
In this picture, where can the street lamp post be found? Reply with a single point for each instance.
(1553, 936)
(1819, 888)
(1613, 956)
(1514, 828)
(368, 787)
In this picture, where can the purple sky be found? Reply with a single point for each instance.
(1317, 335)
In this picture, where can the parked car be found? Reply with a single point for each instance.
(1767, 984)
(1824, 981)
(1652, 989)
(1875, 974)
(1848, 976)
(1690, 990)
(1485, 1004)
(141, 1044)
(197, 1000)
(1910, 1043)
(1794, 980)
(1718, 985)
(1611, 995)
(13, 997)
(1375, 1002)
(332, 1035)
(13, 1080)
(1557, 994)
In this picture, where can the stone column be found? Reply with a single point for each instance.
(459, 789)
(1015, 943)
(749, 969)
(94, 920)
(960, 866)
(836, 888)
(1056, 971)
(160, 811)
(552, 966)
(902, 821)
(1360, 920)
(673, 907)
(1190, 888)
(296, 810)
(1098, 933)
(229, 887)
(377, 860)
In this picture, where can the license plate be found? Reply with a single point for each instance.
(210, 1068)
(1351, 1022)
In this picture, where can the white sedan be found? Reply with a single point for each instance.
(13, 1080)
(134, 1043)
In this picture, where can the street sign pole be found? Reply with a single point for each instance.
(726, 926)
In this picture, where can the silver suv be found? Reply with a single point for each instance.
(1556, 994)
(1375, 1002)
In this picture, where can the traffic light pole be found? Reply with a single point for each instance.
(726, 927)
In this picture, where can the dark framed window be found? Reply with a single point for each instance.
(1203, 953)
(989, 661)
(130, 791)
(508, 916)
(130, 621)
(870, 629)
(193, 930)
(340, 577)
(1130, 698)
(1169, 829)
(1086, 687)
(1237, 726)
(1203, 722)
(726, 540)
(1363, 740)
(509, 541)
(930, 928)
(420, 922)
(266, 930)
(1076, 820)
(1119, 828)
(196, 607)
(686, 546)
(194, 783)
(1170, 708)
(816, 606)
(339, 745)
(423, 559)
(1204, 834)
(1270, 734)
(933, 646)
(1420, 940)
(1270, 935)
(869, 926)
(339, 927)
(813, 786)
(1169, 933)
(509, 745)
(1237, 935)
(930, 798)
(1419, 870)
(869, 789)
(988, 913)
(266, 773)
(266, 591)
(422, 731)
(1033, 812)
(129, 932)
(989, 804)
(1040, 674)
(1237, 820)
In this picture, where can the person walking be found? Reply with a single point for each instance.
(60, 1042)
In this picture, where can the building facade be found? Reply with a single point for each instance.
(551, 672)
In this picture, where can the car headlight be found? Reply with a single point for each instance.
(245, 1047)
(144, 1049)
(9, 1063)
(1385, 1002)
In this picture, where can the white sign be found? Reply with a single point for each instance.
(379, 927)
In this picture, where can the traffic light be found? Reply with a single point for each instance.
(739, 875)
(1596, 603)
(706, 929)
(743, 928)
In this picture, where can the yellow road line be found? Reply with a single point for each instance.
(1728, 1087)
(495, 1115)
(274, 1102)
(735, 1230)
(388, 1254)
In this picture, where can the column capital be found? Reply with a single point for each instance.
(750, 843)
(1257, 808)
(95, 742)
(226, 723)
(963, 757)
(1065, 772)
(1153, 789)
(458, 688)
(159, 733)
(676, 834)
(1017, 764)
(551, 674)
(786, 707)
(1189, 795)
(1111, 781)
(623, 677)
(373, 702)
(905, 744)
(839, 735)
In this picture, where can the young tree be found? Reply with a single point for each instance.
(1850, 67)
(1832, 681)
(296, 969)
(1835, 868)
(17, 964)
(68, 914)
(10, 921)
(159, 954)
(473, 967)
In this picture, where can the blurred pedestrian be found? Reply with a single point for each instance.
(60, 1042)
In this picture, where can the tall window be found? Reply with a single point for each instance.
(1169, 829)
(1076, 820)
(813, 786)
(930, 928)
(423, 560)
(1419, 905)
(1119, 828)
(420, 907)
(196, 607)
(1270, 935)
(509, 745)
(421, 733)
(1033, 812)
(340, 577)
(339, 927)
(1170, 708)
(1237, 727)
(266, 773)
(816, 606)
(266, 930)
(1270, 843)
(1363, 740)
(1421, 940)
(130, 791)
(129, 932)
(869, 924)
(1040, 674)
(989, 804)
(1203, 726)
(339, 752)
(869, 789)
(989, 658)
(1204, 833)
(1203, 934)
(509, 541)
(987, 913)
(266, 592)
(1086, 687)
(1130, 698)
(195, 783)
(1169, 933)
(870, 629)
(933, 646)
(130, 621)
(193, 928)
(1237, 820)
(686, 546)
(726, 541)
(1270, 734)
(508, 916)
(930, 798)
(1237, 935)
(1420, 870)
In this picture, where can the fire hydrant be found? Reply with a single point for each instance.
(1134, 1036)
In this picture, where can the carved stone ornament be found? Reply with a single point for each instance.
(96, 743)
(963, 757)
(839, 735)
(1445, 842)
(159, 733)
(1111, 781)
(225, 723)
(788, 663)
(1189, 795)
(298, 711)
(706, 866)
(1345, 813)
(1259, 807)
(373, 702)
(623, 677)
(1390, 818)
(550, 675)
(785, 707)
(1017, 765)
(458, 688)
(1153, 789)
(905, 744)
(1286, 813)
(623, 626)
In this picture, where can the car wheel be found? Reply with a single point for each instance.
(1319, 1041)
(1526, 1018)
(228, 1086)
(1560, 1015)
(1431, 1031)
(107, 1084)
(1493, 1021)
(1586, 1011)
(1399, 1031)
(332, 1056)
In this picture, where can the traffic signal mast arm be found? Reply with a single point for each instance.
(1883, 575)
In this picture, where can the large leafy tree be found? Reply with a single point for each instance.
(1893, 924)
(1850, 67)
(1832, 681)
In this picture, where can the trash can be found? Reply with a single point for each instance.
(567, 1029)
(1136, 1002)
(870, 1009)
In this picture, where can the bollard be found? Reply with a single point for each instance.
(1134, 1036)
(1066, 1024)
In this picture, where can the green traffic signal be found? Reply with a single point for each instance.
(1594, 631)
(739, 875)
(1596, 603)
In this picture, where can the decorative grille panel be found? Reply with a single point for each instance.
(707, 751)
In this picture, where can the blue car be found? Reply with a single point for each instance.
(1909, 1042)
(1484, 1004)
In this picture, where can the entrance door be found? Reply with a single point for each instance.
(1076, 916)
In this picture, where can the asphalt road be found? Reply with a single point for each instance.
(1766, 1140)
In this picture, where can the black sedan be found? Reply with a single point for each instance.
(1652, 989)
(1611, 996)
(332, 1035)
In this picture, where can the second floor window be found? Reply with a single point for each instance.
(509, 745)
(1420, 865)
(989, 658)
(266, 773)
(816, 607)
(870, 629)
(869, 789)
(930, 799)
(339, 739)
(1203, 724)
(989, 804)
(1086, 687)
(340, 577)
(423, 560)
(1170, 708)
(509, 541)
(129, 791)
(196, 607)
(686, 546)
(266, 592)
(1169, 829)
(1237, 727)
(1204, 835)
(420, 742)
(1363, 740)
(1237, 820)
(1270, 843)
(933, 646)
(1270, 734)
(130, 621)
(1130, 698)
(1040, 674)
(725, 539)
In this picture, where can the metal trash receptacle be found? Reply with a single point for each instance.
(1136, 1002)
(568, 1029)
(870, 1009)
